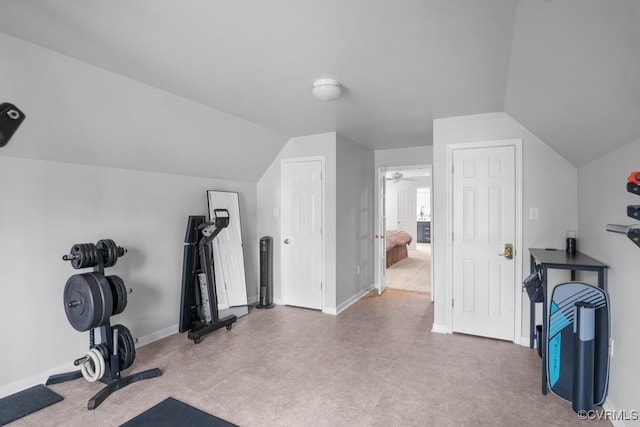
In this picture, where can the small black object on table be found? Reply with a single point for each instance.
(562, 260)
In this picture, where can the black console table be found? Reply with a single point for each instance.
(558, 259)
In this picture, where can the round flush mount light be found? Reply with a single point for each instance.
(326, 89)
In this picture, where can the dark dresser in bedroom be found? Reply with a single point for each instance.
(424, 231)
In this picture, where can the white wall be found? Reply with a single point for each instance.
(47, 207)
(269, 199)
(354, 224)
(603, 200)
(78, 113)
(549, 183)
(404, 156)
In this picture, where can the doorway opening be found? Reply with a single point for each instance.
(407, 228)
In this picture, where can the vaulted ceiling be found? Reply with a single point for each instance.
(566, 69)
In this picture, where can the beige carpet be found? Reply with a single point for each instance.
(412, 273)
(376, 364)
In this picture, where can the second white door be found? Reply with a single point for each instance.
(484, 212)
(302, 233)
(407, 219)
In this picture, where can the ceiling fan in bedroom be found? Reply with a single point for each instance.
(398, 176)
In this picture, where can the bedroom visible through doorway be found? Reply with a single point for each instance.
(408, 228)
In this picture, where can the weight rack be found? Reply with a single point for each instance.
(90, 299)
(633, 211)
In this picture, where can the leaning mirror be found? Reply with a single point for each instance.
(228, 255)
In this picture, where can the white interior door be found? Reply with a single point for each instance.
(381, 249)
(301, 244)
(228, 256)
(484, 212)
(407, 219)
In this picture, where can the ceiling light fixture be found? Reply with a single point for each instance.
(326, 89)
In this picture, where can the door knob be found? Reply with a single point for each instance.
(286, 241)
(508, 251)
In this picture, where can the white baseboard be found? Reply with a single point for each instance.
(439, 329)
(157, 335)
(40, 378)
(342, 307)
(610, 407)
(524, 341)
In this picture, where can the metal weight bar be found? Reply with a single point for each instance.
(631, 231)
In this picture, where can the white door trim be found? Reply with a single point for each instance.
(379, 227)
(519, 253)
(323, 213)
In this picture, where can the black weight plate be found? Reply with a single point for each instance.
(109, 252)
(126, 351)
(114, 294)
(104, 350)
(123, 291)
(105, 296)
(119, 294)
(113, 248)
(83, 302)
(132, 345)
(102, 247)
(84, 255)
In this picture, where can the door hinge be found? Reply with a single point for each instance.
(452, 237)
(452, 303)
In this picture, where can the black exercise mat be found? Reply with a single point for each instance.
(26, 402)
(171, 412)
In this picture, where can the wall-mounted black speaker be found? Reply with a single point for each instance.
(10, 118)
